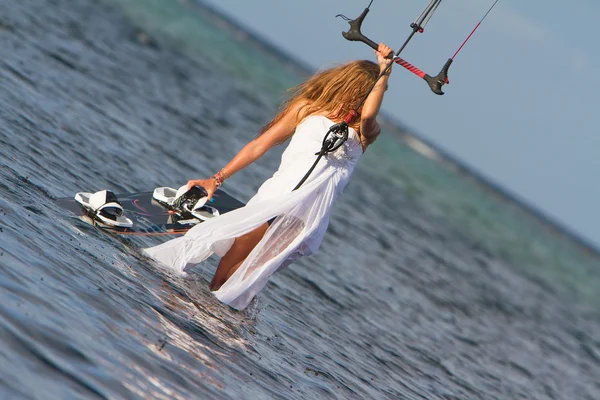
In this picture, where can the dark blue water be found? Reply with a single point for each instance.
(426, 286)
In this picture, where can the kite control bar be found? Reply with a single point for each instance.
(435, 82)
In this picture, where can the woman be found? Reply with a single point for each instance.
(280, 225)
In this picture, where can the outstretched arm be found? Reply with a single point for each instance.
(369, 128)
(251, 152)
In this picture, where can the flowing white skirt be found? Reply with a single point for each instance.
(302, 216)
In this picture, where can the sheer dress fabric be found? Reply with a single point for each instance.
(301, 219)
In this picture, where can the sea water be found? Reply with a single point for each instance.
(428, 285)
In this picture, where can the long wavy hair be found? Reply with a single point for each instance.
(332, 92)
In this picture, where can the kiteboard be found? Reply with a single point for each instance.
(144, 215)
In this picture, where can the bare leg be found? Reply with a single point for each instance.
(236, 255)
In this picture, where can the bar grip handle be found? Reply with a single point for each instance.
(354, 34)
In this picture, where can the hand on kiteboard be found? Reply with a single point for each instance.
(210, 185)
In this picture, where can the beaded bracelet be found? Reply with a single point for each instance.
(219, 177)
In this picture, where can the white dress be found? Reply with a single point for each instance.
(302, 215)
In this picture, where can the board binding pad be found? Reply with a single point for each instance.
(190, 204)
(150, 217)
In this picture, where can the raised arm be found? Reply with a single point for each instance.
(369, 128)
(251, 152)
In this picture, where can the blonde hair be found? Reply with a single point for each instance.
(334, 92)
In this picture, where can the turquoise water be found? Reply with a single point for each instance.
(201, 37)
(428, 285)
(486, 218)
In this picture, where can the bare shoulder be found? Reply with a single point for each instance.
(299, 105)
